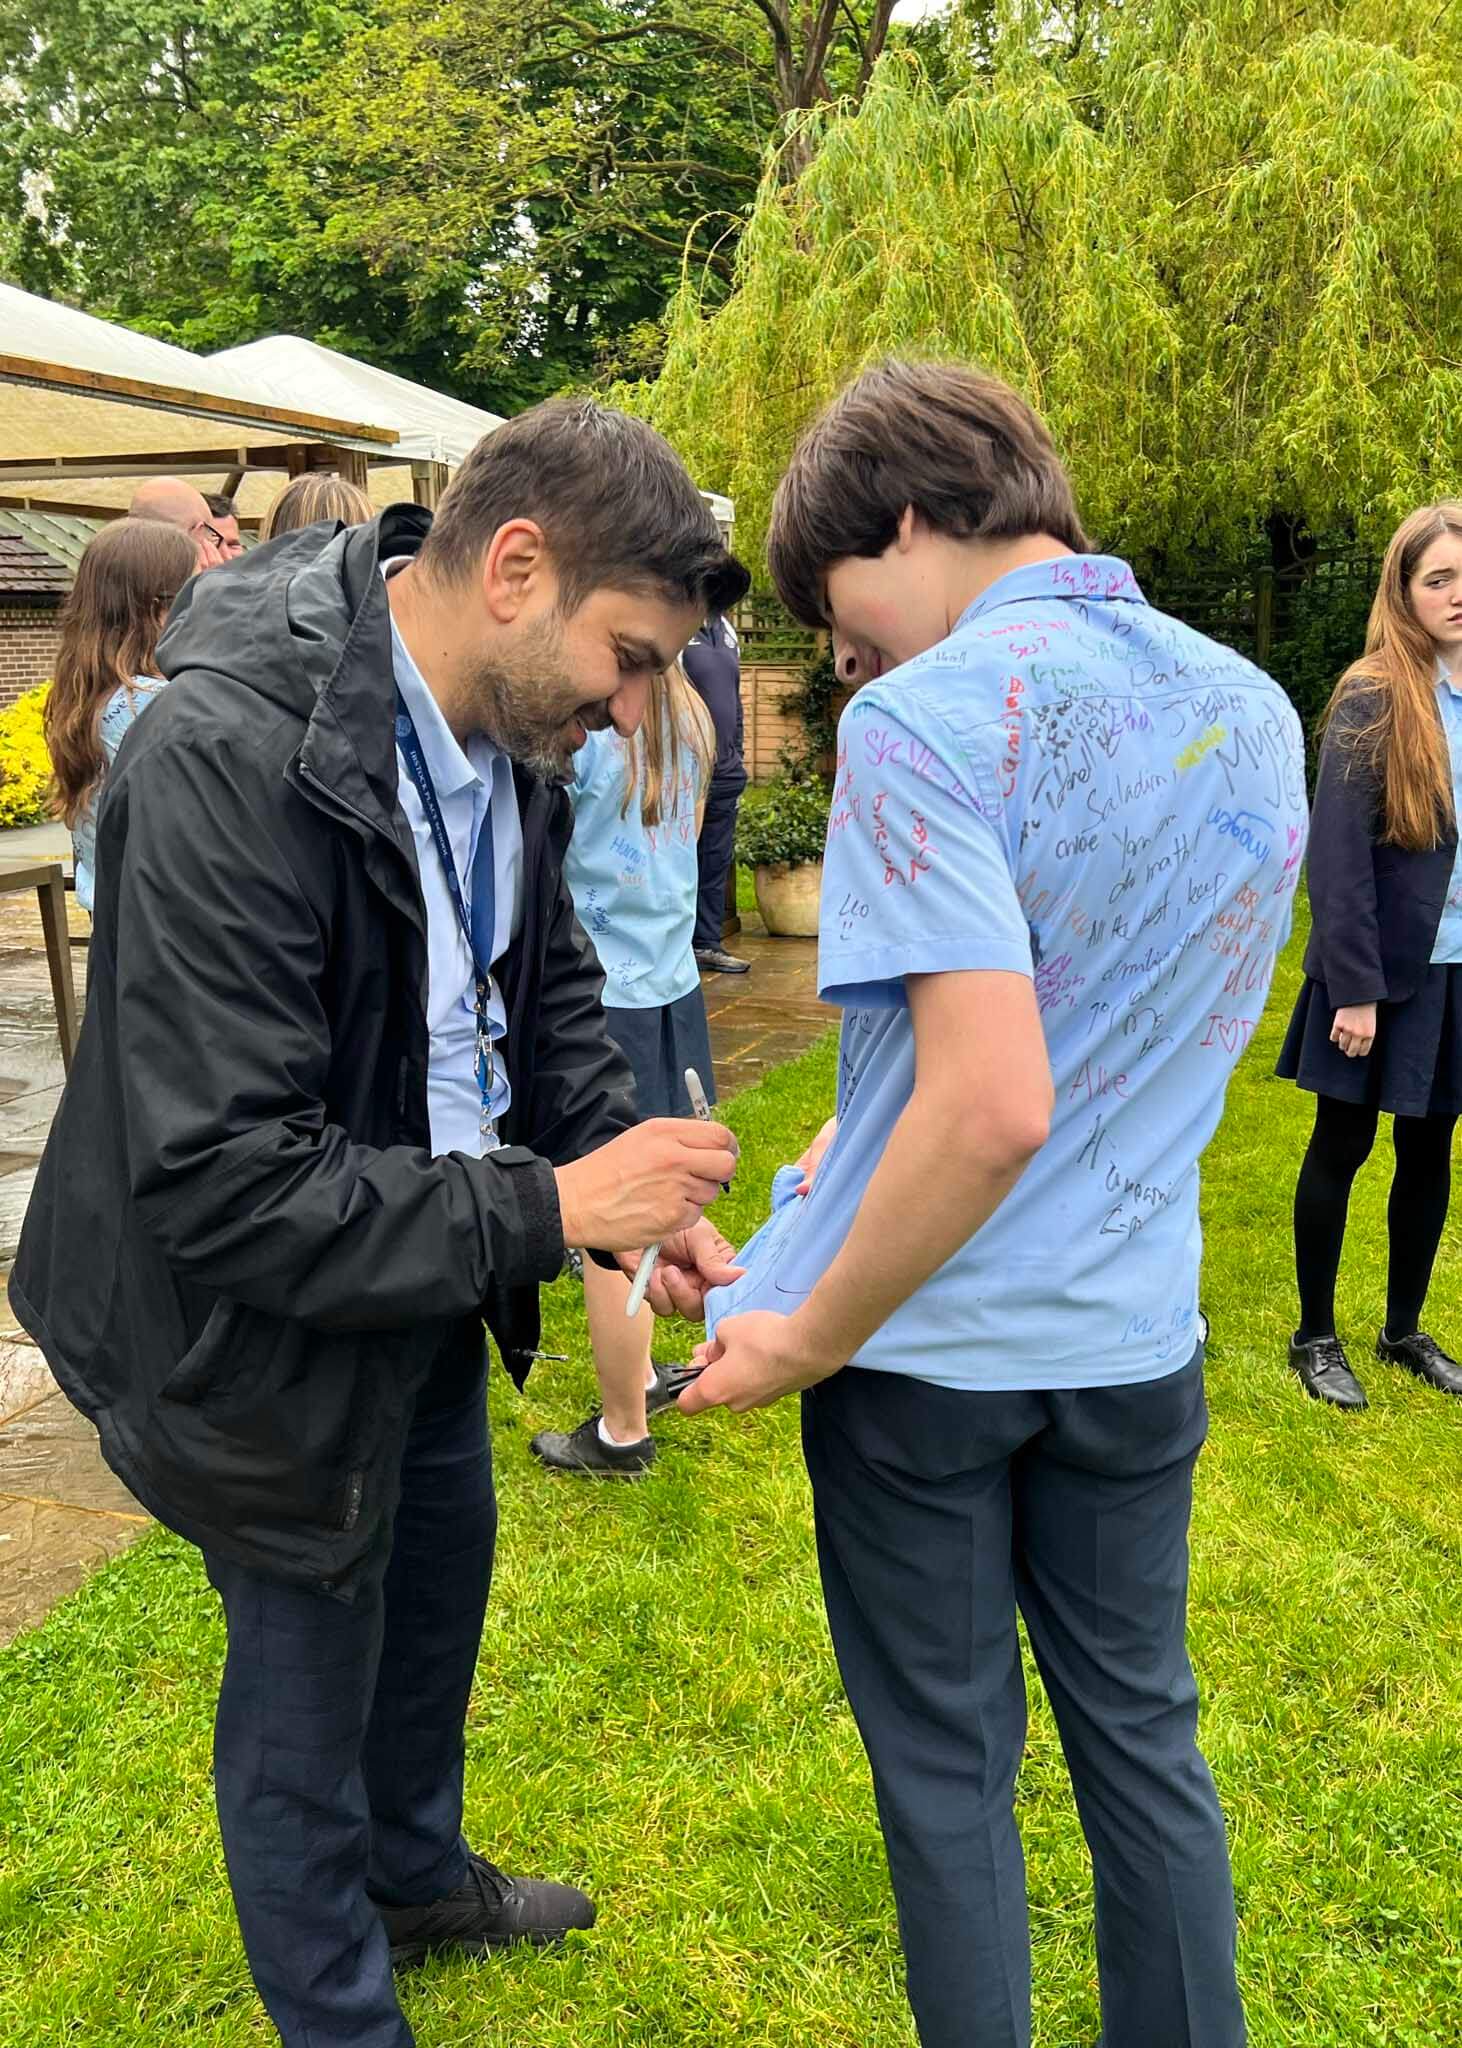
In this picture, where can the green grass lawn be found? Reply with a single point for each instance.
(658, 1716)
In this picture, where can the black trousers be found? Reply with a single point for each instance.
(713, 857)
(939, 1515)
(338, 1746)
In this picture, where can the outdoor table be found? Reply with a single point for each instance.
(48, 879)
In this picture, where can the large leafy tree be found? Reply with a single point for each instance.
(498, 195)
(134, 136)
(1222, 253)
(555, 164)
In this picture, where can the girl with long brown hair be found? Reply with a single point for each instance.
(1378, 1024)
(106, 670)
(632, 869)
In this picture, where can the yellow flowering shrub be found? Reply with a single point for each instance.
(25, 765)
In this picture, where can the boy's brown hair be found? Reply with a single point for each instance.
(961, 447)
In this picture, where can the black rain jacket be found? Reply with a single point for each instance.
(241, 1256)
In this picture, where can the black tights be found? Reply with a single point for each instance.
(1420, 1191)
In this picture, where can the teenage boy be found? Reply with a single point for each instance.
(1063, 843)
(343, 1092)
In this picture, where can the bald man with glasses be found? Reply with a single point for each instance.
(175, 503)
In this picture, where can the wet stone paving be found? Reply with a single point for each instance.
(62, 1512)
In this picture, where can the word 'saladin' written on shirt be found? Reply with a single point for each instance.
(1078, 789)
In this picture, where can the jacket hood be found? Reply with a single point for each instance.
(303, 624)
(280, 619)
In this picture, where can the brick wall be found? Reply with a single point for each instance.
(28, 639)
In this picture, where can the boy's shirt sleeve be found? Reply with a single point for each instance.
(917, 876)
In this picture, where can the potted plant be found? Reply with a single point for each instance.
(781, 838)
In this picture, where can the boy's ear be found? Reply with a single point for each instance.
(906, 529)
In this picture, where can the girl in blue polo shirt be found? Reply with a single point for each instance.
(633, 872)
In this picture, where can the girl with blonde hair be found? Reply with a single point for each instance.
(1378, 1024)
(633, 873)
(309, 499)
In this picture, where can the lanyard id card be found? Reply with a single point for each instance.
(477, 929)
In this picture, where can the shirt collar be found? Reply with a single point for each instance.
(451, 771)
(1096, 578)
(1446, 680)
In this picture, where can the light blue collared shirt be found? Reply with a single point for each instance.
(124, 705)
(465, 783)
(633, 884)
(1075, 789)
(1447, 952)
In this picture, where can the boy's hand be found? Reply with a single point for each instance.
(752, 1361)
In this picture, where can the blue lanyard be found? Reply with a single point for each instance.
(409, 742)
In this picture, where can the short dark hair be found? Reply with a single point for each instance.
(961, 447)
(220, 504)
(615, 502)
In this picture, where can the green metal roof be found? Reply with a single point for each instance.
(61, 536)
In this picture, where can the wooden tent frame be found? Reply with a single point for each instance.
(317, 441)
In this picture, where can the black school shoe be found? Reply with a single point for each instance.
(490, 1910)
(716, 960)
(1323, 1370)
(584, 1452)
(1423, 1356)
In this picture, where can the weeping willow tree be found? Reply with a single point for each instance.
(1222, 257)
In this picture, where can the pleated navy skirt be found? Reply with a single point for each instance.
(660, 1043)
(1413, 1069)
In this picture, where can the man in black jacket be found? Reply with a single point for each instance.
(343, 1092)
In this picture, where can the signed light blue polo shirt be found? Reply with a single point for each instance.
(1075, 788)
(634, 885)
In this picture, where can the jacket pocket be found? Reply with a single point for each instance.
(267, 1427)
(204, 1362)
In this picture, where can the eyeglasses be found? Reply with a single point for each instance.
(210, 533)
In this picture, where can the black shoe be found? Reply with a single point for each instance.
(716, 960)
(490, 1910)
(584, 1451)
(671, 1382)
(1324, 1372)
(1425, 1357)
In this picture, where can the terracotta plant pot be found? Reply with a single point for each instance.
(787, 898)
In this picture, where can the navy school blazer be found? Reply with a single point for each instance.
(1376, 908)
